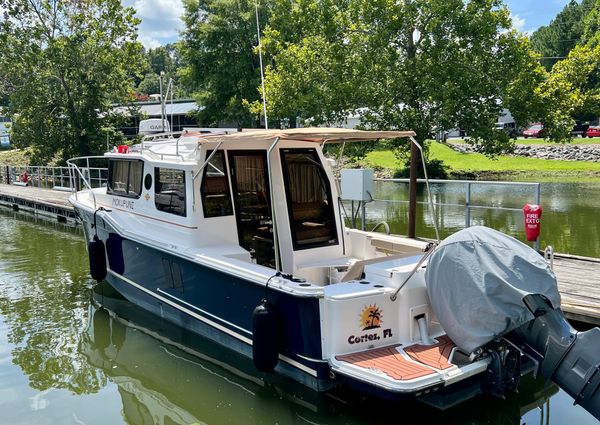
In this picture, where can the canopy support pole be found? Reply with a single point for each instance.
(273, 218)
(412, 187)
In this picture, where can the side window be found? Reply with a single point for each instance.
(216, 198)
(125, 178)
(169, 190)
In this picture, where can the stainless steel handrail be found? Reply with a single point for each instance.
(73, 167)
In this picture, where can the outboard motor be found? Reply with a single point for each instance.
(492, 293)
(569, 358)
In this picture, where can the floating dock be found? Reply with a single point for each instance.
(50, 203)
(578, 277)
(579, 285)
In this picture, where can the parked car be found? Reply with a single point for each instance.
(579, 130)
(535, 130)
(593, 131)
(509, 127)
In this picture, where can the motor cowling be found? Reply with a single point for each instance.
(97, 257)
(265, 336)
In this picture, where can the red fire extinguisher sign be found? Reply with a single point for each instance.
(533, 214)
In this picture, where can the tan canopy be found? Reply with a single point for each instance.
(315, 135)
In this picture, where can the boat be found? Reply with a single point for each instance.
(240, 238)
(126, 343)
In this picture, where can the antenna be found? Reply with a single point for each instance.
(162, 102)
(262, 75)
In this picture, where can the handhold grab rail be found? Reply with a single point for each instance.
(384, 224)
(425, 256)
(73, 168)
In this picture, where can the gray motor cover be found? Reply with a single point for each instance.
(476, 281)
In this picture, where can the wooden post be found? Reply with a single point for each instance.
(7, 174)
(412, 187)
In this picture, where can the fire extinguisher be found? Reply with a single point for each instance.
(533, 214)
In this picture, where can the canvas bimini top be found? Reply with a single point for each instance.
(313, 134)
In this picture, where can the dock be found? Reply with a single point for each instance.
(579, 286)
(578, 277)
(46, 202)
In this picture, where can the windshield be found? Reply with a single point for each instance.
(536, 127)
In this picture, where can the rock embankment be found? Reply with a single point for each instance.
(559, 152)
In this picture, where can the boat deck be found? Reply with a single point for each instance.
(421, 361)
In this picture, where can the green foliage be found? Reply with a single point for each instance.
(557, 39)
(62, 65)
(424, 65)
(163, 59)
(436, 169)
(573, 87)
(507, 167)
(222, 65)
(14, 157)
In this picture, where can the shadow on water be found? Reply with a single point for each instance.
(65, 333)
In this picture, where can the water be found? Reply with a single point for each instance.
(570, 217)
(66, 360)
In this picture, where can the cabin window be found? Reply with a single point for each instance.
(216, 198)
(169, 190)
(148, 181)
(309, 199)
(125, 178)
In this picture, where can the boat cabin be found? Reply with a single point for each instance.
(259, 196)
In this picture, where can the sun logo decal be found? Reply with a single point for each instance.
(371, 317)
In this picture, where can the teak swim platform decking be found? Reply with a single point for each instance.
(405, 363)
(578, 277)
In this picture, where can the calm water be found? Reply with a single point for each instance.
(570, 218)
(65, 360)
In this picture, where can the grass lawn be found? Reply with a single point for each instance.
(14, 157)
(503, 167)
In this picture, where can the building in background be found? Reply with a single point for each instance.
(178, 114)
(4, 136)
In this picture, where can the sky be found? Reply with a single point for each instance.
(161, 21)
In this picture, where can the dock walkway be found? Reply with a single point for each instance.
(578, 277)
(579, 285)
(47, 202)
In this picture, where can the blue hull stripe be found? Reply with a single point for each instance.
(206, 313)
(210, 322)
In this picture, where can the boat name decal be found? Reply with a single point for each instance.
(371, 317)
(123, 203)
(355, 339)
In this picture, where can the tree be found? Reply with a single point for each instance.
(166, 60)
(222, 65)
(573, 88)
(414, 64)
(62, 65)
(556, 40)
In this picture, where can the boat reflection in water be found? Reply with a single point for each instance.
(166, 375)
